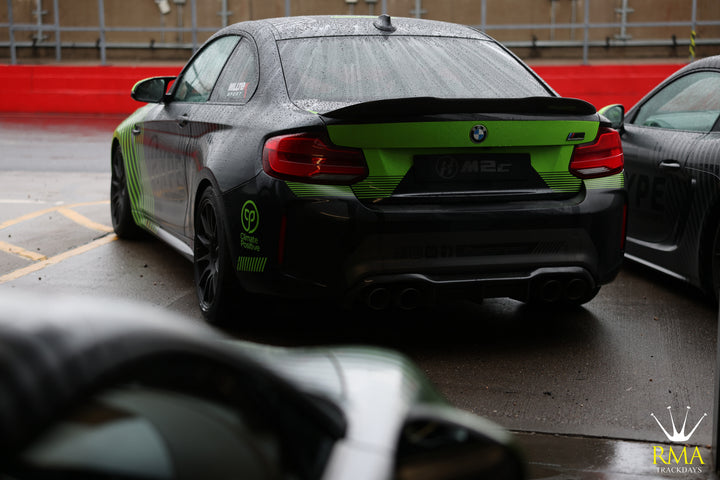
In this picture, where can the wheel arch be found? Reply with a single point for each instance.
(204, 182)
(126, 221)
(709, 229)
(115, 145)
(202, 185)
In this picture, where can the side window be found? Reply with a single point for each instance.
(690, 103)
(198, 80)
(239, 79)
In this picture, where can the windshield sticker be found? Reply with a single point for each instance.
(237, 89)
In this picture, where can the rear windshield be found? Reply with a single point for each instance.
(324, 73)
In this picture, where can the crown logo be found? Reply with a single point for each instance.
(680, 436)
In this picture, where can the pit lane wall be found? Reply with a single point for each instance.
(106, 89)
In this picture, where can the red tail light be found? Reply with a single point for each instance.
(311, 158)
(599, 159)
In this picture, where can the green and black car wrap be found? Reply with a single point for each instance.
(435, 202)
(346, 180)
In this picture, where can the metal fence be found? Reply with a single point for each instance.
(582, 31)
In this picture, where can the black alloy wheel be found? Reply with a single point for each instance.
(213, 278)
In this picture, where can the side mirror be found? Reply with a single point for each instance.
(442, 443)
(151, 90)
(615, 114)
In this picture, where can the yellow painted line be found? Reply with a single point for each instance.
(29, 216)
(83, 220)
(15, 250)
(38, 213)
(57, 258)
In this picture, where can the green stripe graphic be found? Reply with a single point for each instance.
(251, 264)
(141, 199)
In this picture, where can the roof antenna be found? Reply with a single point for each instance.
(384, 23)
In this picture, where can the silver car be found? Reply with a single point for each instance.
(96, 390)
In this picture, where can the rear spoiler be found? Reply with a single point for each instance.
(416, 106)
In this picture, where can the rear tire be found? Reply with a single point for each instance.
(214, 280)
(120, 206)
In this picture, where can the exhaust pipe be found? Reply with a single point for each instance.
(551, 291)
(558, 289)
(379, 298)
(409, 298)
(576, 289)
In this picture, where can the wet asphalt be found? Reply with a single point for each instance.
(578, 388)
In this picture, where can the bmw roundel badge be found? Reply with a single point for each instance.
(478, 133)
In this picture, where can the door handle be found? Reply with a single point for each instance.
(670, 165)
(183, 120)
(136, 130)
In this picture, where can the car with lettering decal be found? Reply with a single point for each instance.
(671, 140)
(390, 162)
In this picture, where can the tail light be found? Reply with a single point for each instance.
(599, 159)
(312, 158)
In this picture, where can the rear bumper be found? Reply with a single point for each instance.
(410, 255)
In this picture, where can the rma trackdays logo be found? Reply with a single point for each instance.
(676, 460)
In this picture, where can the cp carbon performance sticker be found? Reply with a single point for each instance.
(250, 217)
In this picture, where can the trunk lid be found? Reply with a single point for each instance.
(469, 150)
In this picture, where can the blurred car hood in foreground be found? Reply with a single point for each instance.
(73, 370)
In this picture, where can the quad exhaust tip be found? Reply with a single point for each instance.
(563, 289)
(379, 298)
(548, 288)
(405, 298)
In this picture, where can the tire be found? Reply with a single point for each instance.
(120, 207)
(214, 280)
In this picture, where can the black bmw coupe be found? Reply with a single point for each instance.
(389, 161)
